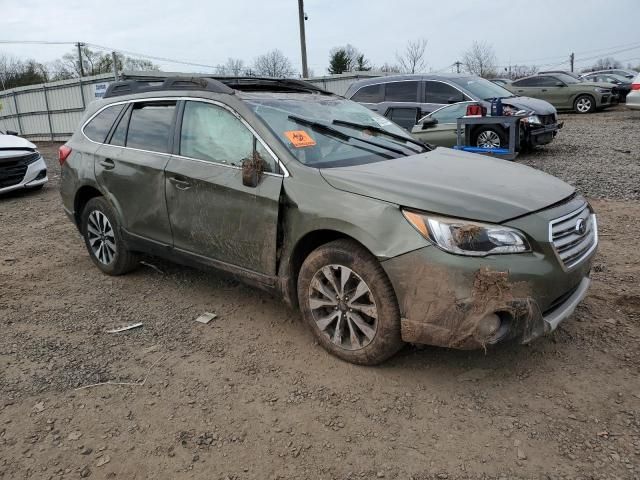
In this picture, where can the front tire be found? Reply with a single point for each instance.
(584, 104)
(349, 303)
(490, 137)
(101, 231)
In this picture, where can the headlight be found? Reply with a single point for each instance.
(464, 237)
(533, 119)
(602, 90)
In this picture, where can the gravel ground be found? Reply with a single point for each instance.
(251, 396)
(598, 154)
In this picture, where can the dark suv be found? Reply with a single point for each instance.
(378, 239)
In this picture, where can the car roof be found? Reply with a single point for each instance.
(401, 78)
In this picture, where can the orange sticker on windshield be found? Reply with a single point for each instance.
(300, 138)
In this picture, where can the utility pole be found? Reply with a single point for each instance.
(114, 59)
(457, 63)
(80, 45)
(303, 43)
(571, 59)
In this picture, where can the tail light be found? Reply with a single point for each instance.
(63, 153)
(635, 86)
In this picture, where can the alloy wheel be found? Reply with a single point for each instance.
(343, 307)
(583, 105)
(488, 139)
(101, 237)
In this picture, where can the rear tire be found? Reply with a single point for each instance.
(489, 137)
(584, 104)
(101, 231)
(349, 303)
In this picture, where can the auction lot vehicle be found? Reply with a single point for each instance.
(21, 165)
(407, 98)
(567, 93)
(378, 239)
(623, 84)
(633, 98)
(440, 128)
(629, 74)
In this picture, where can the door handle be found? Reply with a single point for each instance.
(543, 90)
(108, 164)
(179, 183)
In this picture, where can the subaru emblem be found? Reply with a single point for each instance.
(581, 227)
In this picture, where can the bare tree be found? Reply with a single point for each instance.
(273, 64)
(412, 59)
(389, 68)
(606, 63)
(520, 71)
(234, 67)
(480, 60)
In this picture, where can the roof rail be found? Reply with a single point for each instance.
(270, 84)
(126, 87)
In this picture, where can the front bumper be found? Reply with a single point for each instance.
(542, 135)
(470, 302)
(35, 175)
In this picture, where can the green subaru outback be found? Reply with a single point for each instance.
(377, 239)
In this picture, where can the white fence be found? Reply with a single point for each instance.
(52, 111)
(49, 111)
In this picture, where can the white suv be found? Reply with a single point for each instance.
(21, 165)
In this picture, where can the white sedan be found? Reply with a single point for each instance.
(21, 165)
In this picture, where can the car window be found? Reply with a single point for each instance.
(438, 92)
(214, 134)
(450, 113)
(150, 126)
(527, 82)
(98, 128)
(406, 117)
(401, 91)
(369, 94)
(119, 136)
(547, 81)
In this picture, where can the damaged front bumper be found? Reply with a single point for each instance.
(467, 303)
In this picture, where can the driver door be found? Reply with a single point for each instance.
(212, 214)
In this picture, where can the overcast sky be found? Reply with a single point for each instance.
(207, 32)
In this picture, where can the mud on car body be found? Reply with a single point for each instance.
(376, 238)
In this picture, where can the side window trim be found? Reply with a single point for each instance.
(281, 168)
(424, 90)
(124, 113)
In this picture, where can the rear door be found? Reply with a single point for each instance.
(130, 167)
(527, 87)
(212, 213)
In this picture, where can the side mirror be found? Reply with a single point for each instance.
(559, 84)
(12, 132)
(252, 171)
(429, 122)
(455, 98)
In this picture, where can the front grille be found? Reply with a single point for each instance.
(572, 243)
(547, 119)
(13, 169)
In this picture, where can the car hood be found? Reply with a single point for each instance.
(11, 141)
(453, 183)
(540, 107)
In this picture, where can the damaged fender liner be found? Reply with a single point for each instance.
(449, 322)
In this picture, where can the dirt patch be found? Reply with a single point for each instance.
(436, 315)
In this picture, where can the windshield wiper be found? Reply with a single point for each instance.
(374, 128)
(337, 133)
